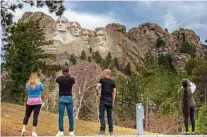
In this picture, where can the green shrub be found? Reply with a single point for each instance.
(127, 69)
(83, 55)
(166, 61)
(73, 59)
(201, 122)
(97, 57)
(188, 49)
(89, 58)
(107, 61)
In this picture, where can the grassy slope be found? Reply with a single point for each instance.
(12, 116)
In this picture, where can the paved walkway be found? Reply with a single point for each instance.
(131, 136)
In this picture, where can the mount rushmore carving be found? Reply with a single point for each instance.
(131, 46)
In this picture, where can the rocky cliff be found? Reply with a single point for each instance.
(70, 38)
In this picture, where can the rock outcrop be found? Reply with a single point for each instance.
(131, 46)
(43, 19)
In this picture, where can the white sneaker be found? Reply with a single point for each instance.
(34, 134)
(23, 132)
(71, 134)
(60, 133)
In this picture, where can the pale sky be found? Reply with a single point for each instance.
(170, 15)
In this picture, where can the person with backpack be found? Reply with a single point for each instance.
(187, 103)
(106, 91)
(34, 89)
(66, 83)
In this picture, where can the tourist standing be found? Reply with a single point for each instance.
(65, 82)
(34, 89)
(187, 104)
(106, 91)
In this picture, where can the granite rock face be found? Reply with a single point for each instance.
(69, 37)
(132, 46)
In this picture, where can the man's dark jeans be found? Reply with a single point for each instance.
(106, 105)
(66, 102)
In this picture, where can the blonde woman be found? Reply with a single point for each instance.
(34, 88)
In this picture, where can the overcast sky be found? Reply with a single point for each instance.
(170, 15)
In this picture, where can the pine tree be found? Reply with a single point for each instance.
(187, 48)
(103, 64)
(109, 58)
(127, 69)
(66, 64)
(199, 75)
(97, 57)
(73, 59)
(89, 58)
(116, 63)
(133, 85)
(24, 55)
(83, 55)
(90, 50)
(166, 61)
(193, 52)
(107, 61)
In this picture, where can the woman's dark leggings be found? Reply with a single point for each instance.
(29, 109)
(192, 119)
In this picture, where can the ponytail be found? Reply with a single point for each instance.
(185, 99)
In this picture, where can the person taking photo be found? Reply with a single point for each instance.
(34, 89)
(187, 103)
(65, 82)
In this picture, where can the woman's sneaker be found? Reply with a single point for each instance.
(71, 134)
(59, 134)
(23, 132)
(187, 133)
(34, 134)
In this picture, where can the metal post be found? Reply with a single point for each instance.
(139, 118)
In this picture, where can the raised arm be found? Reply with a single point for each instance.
(58, 77)
(193, 87)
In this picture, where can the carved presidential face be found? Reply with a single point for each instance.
(62, 24)
(100, 35)
(75, 29)
(86, 36)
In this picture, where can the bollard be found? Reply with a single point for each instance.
(139, 119)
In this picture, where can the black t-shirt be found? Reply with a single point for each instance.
(65, 85)
(107, 86)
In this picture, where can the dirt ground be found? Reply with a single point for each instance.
(12, 116)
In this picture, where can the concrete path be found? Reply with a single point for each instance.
(130, 136)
